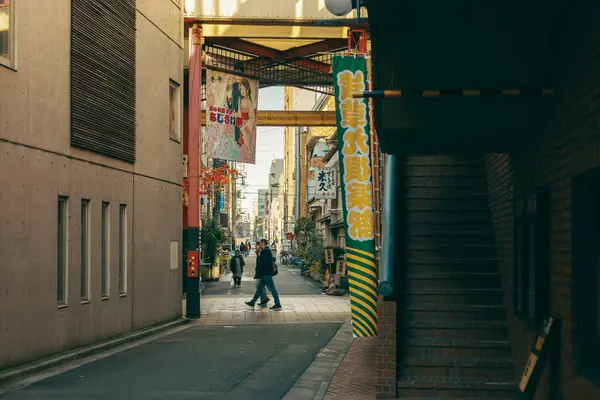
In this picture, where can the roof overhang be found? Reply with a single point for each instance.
(451, 47)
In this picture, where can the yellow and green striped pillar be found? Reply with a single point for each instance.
(353, 130)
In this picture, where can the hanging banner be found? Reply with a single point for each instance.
(353, 130)
(326, 183)
(222, 201)
(231, 103)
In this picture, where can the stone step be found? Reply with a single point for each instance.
(445, 323)
(458, 280)
(461, 318)
(461, 388)
(472, 369)
(455, 351)
(431, 299)
(456, 334)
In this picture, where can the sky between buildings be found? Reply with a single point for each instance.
(269, 145)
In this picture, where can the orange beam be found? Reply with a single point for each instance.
(291, 118)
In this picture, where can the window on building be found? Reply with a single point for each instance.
(531, 256)
(174, 111)
(85, 250)
(586, 271)
(105, 263)
(62, 251)
(7, 33)
(123, 249)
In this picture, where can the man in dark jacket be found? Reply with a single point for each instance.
(264, 299)
(264, 272)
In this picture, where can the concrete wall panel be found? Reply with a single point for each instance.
(157, 288)
(158, 60)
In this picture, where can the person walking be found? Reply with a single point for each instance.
(264, 298)
(236, 265)
(265, 271)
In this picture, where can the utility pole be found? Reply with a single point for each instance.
(233, 205)
(193, 150)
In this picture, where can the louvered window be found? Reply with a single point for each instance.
(103, 77)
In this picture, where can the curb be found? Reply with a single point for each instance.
(26, 370)
(313, 384)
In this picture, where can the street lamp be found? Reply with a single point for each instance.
(339, 7)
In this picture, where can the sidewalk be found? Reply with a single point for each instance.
(343, 370)
(355, 377)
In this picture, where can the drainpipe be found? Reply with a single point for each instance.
(386, 272)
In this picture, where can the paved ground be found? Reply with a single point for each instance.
(232, 352)
(219, 310)
(288, 283)
(203, 362)
(355, 377)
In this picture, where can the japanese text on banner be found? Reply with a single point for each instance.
(357, 165)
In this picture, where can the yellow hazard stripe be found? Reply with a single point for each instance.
(357, 311)
(359, 268)
(372, 291)
(364, 253)
(363, 260)
(364, 327)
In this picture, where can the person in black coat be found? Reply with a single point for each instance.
(264, 273)
(236, 265)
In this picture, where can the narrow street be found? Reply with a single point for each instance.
(231, 352)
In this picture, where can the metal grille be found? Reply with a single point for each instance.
(103, 77)
(312, 72)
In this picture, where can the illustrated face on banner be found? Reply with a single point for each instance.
(231, 103)
(218, 83)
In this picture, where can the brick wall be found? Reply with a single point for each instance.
(500, 179)
(386, 350)
(566, 145)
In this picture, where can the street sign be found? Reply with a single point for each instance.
(326, 185)
(341, 268)
(329, 256)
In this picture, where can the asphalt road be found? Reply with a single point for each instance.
(288, 282)
(254, 362)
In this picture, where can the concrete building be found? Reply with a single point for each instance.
(259, 216)
(295, 99)
(498, 222)
(327, 213)
(90, 192)
(273, 204)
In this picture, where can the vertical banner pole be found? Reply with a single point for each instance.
(353, 129)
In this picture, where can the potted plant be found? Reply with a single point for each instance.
(309, 244)
(212, 240)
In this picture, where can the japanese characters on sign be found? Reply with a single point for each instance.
(329, 258)
(231, 106)
(341, 268)
(355, 152)
(353, 132)
(326, 183)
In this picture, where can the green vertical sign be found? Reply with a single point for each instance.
(354, 149)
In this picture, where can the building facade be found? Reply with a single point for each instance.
(93, 159)
(295, 99)
(498, 222)
(272, 228)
